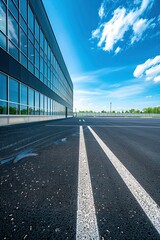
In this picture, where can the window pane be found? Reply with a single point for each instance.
(49, 106)
(2, 17)
(31, 97)
(13, 108)
(13, 50)
(23, 42)
(3, 107)
(24, 110)
(30, 67)
(12, 29)
(37, 59)
(2, 41)
(31, 51)
(36, 103)
(46, 105)
(37, 30)
(41, 104)
(23, 8)
(13, 90)
(13, 9)
(3, 86)
(23, 24)
(23, 94)
(30, 19)
(23, 60)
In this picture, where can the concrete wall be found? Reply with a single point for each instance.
(6, 120)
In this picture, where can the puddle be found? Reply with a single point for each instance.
(64, 139)
(27, 153)
(6, 160)
(75, 134)
(59, 141)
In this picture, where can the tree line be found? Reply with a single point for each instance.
(144, 110)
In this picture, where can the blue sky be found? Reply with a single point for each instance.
(111, 49)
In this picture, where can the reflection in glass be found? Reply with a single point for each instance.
(13, 9)
(31, 97)
(12, 29)
(13, 50)
(3, 86)
(3, 107)
(41, 104)
(36, 103)
(3, 41)
(23, 8)
(30, 19)
(13, 90)
(23, 60)
(23, 42)
(13, 108)
(23, 94)
(2, 17)
(31, 51)
(23, 110)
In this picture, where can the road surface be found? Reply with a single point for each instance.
(80, 178)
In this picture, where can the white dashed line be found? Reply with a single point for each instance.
(148, 205)
(86, 217)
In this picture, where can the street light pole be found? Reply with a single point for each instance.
(110, 107)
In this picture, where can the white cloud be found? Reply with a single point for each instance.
(101, 11)
(118, 49)
(157, 79)
(150, 70)
(123, 20)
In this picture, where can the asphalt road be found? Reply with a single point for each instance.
(63, 181)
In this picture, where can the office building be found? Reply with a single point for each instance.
(34, 81)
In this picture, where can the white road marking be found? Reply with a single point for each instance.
(148, 205)
(86, 217)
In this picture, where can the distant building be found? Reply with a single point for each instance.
(34, 80)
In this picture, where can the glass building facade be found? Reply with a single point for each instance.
(33, 76)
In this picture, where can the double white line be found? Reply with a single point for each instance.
(87, 227)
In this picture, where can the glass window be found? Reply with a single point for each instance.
(13, 50)
(49, 106)
(31, 51)
(46, 105)
(23, 24)
(31, 101)
(16, 2)
(23, 94)
(31, 37)
(13, 8)
(30, 19)
(12, 29)
(13, 91)
(3, 86)
(3, 41)
(37, 59)
(23, 60)
(3, 107)
(23, 110)
(23, 42)
(37, 30)
(36, 72)
(2, 17)
(13, 108)
(30, 67)
(23, 8)
(41, 104)
(41, 39)
(37, 103)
